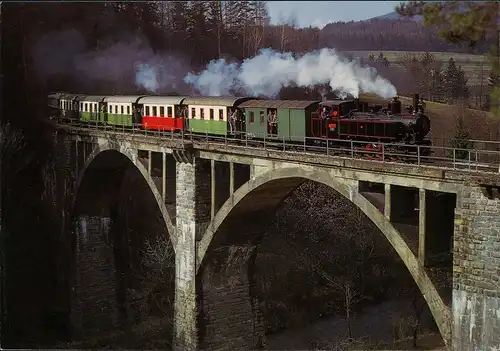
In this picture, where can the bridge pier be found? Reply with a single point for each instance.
(476, 272)
(213, 307)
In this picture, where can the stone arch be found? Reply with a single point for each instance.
(276, 185)
(133, 159)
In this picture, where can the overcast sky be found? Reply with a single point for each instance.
(320, 13)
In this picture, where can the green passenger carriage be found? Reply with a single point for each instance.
(278, 119)
(214, 115)
(92, 108)
(121, 108)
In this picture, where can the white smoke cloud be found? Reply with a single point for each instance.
(269, 71)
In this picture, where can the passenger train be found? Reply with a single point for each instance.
(292, 121)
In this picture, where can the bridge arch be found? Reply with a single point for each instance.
(269, 189)
(109, 147)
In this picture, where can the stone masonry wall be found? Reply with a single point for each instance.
(476, 272)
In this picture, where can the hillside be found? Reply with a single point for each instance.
(475, 66)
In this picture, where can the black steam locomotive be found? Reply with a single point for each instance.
(356, 120)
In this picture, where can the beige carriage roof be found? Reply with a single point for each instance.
(94, 98)
(162, 100)
(294, 104)
(215, 100)
(123, 99)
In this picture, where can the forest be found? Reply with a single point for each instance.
(93, 48)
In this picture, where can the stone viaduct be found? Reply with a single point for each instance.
(216, 201)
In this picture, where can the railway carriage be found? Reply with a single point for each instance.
(278, 119)
(215, 115)
(123, 110)
(163, 112)
(92, 108)
(69, 105)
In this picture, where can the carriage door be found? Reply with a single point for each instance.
(319, 123)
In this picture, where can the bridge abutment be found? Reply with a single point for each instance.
(476, 271)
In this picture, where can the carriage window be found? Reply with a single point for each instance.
(202, 113)
(221, 114)
(96, 105)
(122, 109)
(116, 109)
(169, 111)
(211, 114)
(162, 111)
(193, 112)
(261, 117)
(110, 109)
(81, 106)
(252, 117)
(128, 110)
(154, 111)
(86, 107)
(91, 107)
(147, 111)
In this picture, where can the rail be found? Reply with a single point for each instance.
(470, 160)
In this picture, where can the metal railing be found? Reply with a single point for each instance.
(470, 160)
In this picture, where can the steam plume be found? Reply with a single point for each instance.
(269, 71)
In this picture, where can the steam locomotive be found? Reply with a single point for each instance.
(291, 121)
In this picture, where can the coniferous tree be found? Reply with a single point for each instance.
(451, 79)
(461, 140)
(455, 83)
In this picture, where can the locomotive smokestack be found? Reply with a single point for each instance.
(415, 102)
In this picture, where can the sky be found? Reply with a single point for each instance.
(320, 13)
